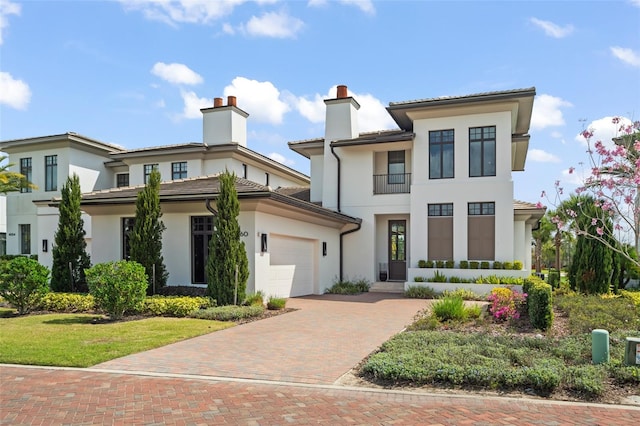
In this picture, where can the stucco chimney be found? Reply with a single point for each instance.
(224, 124)
(341, 122)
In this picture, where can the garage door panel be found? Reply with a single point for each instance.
(292, 263)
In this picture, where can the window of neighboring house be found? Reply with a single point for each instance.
(122, 179)
(244, 171)
(148, 168)
(201, 231)
(482, 151)
(26, 171)
(266, 179)
(481, 231)
(127, 229)
(441, 162)
(25, 239)
(179, 170)
(440, 232)
(395, 166)
(51, 173)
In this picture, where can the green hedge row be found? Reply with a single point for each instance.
(539, 302)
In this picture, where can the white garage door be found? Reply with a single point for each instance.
(291, 271)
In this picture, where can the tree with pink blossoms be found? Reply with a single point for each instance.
(613, 182)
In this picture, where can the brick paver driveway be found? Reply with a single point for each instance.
(318, 343)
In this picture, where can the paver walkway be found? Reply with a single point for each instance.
(326, 337)
(41, 396)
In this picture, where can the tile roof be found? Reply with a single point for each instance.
(480, 95)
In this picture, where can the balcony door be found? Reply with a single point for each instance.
(397, 250)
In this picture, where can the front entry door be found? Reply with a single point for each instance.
(397, 250)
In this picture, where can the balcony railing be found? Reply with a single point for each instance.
(399, 183)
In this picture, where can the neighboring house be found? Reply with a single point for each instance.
(3, 225)
(439, 188)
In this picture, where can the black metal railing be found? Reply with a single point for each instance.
(399, 183)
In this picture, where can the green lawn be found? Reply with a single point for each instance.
(73, 340)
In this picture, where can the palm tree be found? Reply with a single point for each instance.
(11, 181)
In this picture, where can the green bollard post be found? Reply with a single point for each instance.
(599, 346)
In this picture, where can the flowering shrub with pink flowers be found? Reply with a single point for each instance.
(506, 303)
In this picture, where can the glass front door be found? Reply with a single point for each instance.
(397, 250)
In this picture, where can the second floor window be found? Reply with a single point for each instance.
(482, 151)
(51, 173)
(179, 170)
(482, 209)
(26, 171)
(441, 154)
(395, 166)
(148, 168)
(122, 179)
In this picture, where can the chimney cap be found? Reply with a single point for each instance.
(342, 92)
(217, 102)
(231, 101)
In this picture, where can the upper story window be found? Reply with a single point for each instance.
(244, 171)
(441, 154)
(122, 179)
(482, 151)
(51, 173)
(179, 170)
(441, 209)
(148, 168)
(26, 171)
(482, 209)
(395, 166)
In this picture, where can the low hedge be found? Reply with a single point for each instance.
(67, 302)
(174, 306)
(539, 302)
(229, 313)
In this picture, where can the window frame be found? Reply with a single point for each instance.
(126, 227)
(26, 169)
(440, 210)
(25, 238)
(50, 173)
(179, 170)
(396, 178)
(483, 142)
(200, 226)
(147, 169)
(444, 140)
(120, 182)
(481, 208)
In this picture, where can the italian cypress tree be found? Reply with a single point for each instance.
(226, 250)
(145, 240)
(69, 247)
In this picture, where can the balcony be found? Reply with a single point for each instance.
(399, 183)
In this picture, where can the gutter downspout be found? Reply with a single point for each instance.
(342, 234)
(211, 209)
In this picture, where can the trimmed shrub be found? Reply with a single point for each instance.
(174, 306)
(276, 303)
(420, 279)
(497, 265)
(508, 265)
(182, 290)
(484, 265)
(67, 302)
(554, 279)
(474, 264)
(449, 264)
(118, 287)
(23, 283)
(464, 264)
(430, 264)
(440, 264)
(539, 302)
(422, 263)
(229, 313)
(462, 293)
(517, 265)
(420, 292)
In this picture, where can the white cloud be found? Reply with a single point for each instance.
(626, 55)
(547, 112)
(183, 11)
(542, 156)
(14, 93)
(281, 159)
(604, 129)
(274, 24)
(551, 29)
(364, 5)
(575, 177)
(371, 116)
(636, 3)
(227, 28)
(261, 99)
(176, 73)
(7, 8)
(193, 104)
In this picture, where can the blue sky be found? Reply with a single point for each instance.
(136, 72)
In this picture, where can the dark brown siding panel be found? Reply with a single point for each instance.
(440, 238)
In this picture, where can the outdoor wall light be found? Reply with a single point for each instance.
(324, 248)
(263, 243)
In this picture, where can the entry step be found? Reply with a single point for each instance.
(387, 287)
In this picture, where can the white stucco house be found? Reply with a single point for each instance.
(438, 188)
